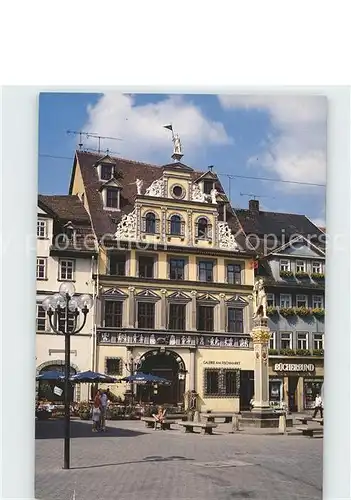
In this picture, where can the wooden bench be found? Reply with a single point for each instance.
(304, 420)
(319, 420)
(211, 417)
(309, 431)
(150, 422)
(177, 416)
(206, 427)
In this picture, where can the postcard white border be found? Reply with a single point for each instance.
(20, 130)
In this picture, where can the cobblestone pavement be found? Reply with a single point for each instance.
(131, 462)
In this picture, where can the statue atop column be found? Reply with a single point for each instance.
(177, 145)
(177, 148)
(259, 300)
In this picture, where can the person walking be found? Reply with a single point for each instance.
(96, 412)
(103, 408)
(318, 406)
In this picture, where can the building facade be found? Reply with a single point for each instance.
(174, 280)
(292, 263)
(65, 252)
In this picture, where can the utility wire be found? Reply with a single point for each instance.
(230, 176)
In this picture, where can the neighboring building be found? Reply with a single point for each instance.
(65, 252)
(174, 282)
(291, 251)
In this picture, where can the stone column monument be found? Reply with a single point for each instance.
(261, 414)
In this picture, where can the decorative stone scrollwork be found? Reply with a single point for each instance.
(225, 237)
(156, 189)
(127, 227)
(198, 195)
(260, 335)
(222, 296)
(193, 293)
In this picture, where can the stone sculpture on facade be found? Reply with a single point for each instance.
(225, 237)
(259, 300)
(156, 189)
(139, 185)
(213, 195)
(126, 228)
(198, 194)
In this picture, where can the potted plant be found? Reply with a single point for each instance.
(287, 352)
(318, 312)
(287, 311)
(272, 311)
(317, 276)
(84, 410)
(303, 311)
(318, 352)
(303, 352)
(286, 274)
(273, 352)
(302, 275)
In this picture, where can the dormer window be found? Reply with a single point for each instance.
(69, 230)
(106, 172)
(208, 186)
(112, 197)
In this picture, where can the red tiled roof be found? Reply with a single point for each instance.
(105, 221)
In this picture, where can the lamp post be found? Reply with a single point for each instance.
(132, 366)
(61, 305)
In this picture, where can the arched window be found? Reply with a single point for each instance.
(150, 223)
(202, 228)
(176, 225)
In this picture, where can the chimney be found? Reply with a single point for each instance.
(254, 206)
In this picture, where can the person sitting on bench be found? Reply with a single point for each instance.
(159, 417)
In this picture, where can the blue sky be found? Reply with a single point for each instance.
(282, 138)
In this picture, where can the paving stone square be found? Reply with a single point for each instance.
(131, 462)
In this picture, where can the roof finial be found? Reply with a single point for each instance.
(177, 150)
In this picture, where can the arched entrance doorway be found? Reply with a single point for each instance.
(46, 388)
(168, 365)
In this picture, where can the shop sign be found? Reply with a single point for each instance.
(236, 363)
(294, 367)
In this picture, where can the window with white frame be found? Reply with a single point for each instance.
(285, 300)
(41, 268)
(302, 340)
(300, 266)
(270, 300)
(66, 270)
(41, 319)
(286, 340)
(317, 267)
(317, 301)
(301, 301)
(318, 341)
(41, 228)
(284, 265)
(273, 340)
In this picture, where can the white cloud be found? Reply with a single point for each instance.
(141, 127)
(296, 148)
(319, 222)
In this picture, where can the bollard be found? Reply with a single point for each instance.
(235, 423)
(282, 424)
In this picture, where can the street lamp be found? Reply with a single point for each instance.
(61, 304)
(132, 366)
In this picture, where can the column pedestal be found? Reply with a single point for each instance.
(261, 415)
